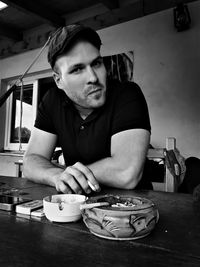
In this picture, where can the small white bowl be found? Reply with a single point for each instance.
(63, 207)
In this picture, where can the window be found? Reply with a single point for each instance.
(33, 91)
(29, 106)
(2, 5)
(27, 109)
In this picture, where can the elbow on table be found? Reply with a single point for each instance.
(130, 178)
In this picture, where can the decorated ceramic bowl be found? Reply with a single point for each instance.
(119, 217)
(63, 207)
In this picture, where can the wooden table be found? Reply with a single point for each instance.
(31, 242)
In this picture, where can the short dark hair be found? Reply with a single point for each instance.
(65, 37)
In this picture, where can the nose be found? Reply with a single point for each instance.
(92, 76)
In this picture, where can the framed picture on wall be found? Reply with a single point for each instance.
(120, 66)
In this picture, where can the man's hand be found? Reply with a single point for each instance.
(76, 179)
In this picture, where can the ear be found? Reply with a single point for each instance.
(58, 80)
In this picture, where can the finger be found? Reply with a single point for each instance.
(71, 180)
(79, 177)
(93, 183)
(63, 188)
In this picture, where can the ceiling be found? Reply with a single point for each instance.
(26, 24)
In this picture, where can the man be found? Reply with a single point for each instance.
(102, 126)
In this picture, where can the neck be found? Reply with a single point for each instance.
(84, 112)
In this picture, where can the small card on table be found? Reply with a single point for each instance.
(28, 207)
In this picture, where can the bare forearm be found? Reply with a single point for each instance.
(124, 168)
(112, 172)
(73, 179)
(40, 169)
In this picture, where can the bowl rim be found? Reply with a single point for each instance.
(146, 203)
(48, 199)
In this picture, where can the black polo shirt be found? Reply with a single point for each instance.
(89, 140)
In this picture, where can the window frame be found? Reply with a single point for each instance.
(33, 79)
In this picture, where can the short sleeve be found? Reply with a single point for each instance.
(131, 110)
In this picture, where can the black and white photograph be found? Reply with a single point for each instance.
(99, 133)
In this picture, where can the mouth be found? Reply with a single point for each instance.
(95, 91)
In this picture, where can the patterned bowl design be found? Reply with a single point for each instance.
(126, 217)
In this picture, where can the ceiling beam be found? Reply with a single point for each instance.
(154, 6)
(9, 32)
(38, 9)
(115, 16)
(133, 10)
(111, 4)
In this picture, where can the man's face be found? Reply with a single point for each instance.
(82, 75)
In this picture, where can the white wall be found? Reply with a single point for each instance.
(167, 67)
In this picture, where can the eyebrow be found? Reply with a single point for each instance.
(79, 65)
(71, 68)
(97, 58)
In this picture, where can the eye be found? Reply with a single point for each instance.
(77, 70)
(97, 63)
